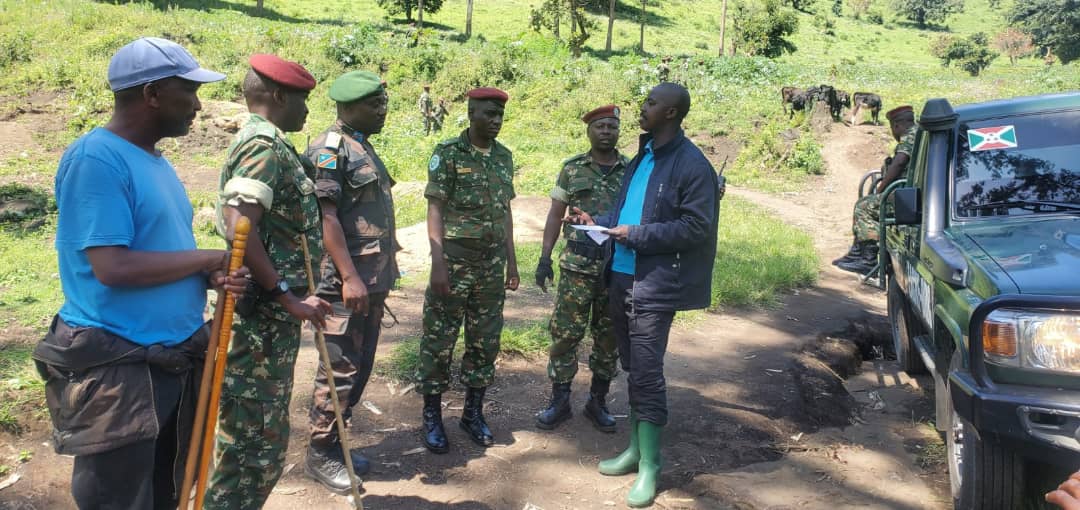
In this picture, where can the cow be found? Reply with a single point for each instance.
(795, 96)
(865, 100)
(843, 101)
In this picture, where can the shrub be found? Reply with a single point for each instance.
(875, 17)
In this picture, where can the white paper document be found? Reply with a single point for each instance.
(595, 232)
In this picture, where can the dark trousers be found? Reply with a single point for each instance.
(642, 338)
(352, 356)
(139, 476)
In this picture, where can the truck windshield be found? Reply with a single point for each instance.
(1023, 165)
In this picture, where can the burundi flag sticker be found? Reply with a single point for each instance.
(990, 138)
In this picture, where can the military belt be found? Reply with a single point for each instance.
(458, 249)
(588, 250)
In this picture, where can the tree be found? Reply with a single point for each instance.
(610, 25)
(971, 54)
(838, 8)
(762, 28)
(1054, 25)
(549, 14)
(641, 41)
(723, 23)
(1014, 44)
(468, 19)
(927, 11)
(395, 7)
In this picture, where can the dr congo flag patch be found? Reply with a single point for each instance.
(990, 138)
(327, 161)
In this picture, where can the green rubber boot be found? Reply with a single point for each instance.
(627, 461)
(643, 492)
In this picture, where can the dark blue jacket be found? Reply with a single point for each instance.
(675, 244)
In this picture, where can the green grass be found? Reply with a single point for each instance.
(22, 392)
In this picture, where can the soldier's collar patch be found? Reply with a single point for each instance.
(327, 161)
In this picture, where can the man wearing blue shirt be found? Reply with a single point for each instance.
(664, 227)
(120, 356)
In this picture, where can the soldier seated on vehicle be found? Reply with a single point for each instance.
(863, 254)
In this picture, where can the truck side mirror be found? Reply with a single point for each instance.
(907, 206)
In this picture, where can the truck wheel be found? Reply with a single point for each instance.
(983, 473)
(901, 321)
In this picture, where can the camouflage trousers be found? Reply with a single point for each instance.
(352, 356)
(581, 302)
(866, 216)
(253, 419)
(476, 295)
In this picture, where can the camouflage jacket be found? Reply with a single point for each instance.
(349, 174)
(264, 168)
(424, 104)
(907, 142)
(583, 184)
(475, 187)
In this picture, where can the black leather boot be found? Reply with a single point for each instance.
(854, 253)
(326, 465)
(596, 407)
(558, 410)
(472, 418)
(434, 433)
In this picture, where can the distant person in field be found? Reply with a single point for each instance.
(664, 227)
(120, 357)
(441, 111)
(359, 267)
(267, 181)
(424, 104)
(863, 254)
(590, 182)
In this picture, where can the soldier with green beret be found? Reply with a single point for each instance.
(589, 182)
(471, 231)
(266, 180)
(358, 268)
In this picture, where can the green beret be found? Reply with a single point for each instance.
(355, 85)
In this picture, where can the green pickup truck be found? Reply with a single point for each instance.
(981, 260)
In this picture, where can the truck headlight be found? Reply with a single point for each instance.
(1043, 340)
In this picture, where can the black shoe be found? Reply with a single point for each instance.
(596, 407)
(360, 464)
(558, 410)
(472, 418)
(861, 265)
(434, 433)
(327, 466)
(854, 253)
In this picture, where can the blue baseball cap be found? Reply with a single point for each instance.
(150, 59)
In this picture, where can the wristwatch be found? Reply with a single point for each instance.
(281, 287)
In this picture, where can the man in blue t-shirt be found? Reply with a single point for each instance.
(131, 328)
(664, 226)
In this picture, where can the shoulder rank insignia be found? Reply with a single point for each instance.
(333, 140)
(327, 161)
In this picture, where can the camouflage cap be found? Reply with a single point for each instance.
(355, 85)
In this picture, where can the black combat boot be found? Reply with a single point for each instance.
(854, 253)
(327, 466)
(434, 433)
(558, 410)
(472, 418)
(866, 261)
(596, 407)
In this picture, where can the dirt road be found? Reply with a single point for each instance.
(754, 415)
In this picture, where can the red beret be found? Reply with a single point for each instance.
(604, 112)
(283, 72)
(898, 111)
(489, 93)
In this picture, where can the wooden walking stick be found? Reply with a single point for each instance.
(320, 342)
(195, 443)
(206, 446)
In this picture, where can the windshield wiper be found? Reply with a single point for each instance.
(1031, 205)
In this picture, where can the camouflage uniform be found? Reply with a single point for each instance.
(350, 174)
(253, 422)
(868, 208)
(476, 190)
(425, 106)
(581, 300)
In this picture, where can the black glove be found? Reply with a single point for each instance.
(544, 272)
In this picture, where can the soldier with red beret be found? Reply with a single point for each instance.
(589, 182)
(266, 180)
(471, 230)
